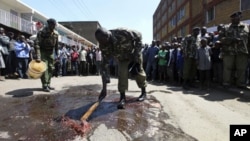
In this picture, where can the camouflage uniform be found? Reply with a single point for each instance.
(235, 50)
(46, 44)
(125, 47)
(190, 45)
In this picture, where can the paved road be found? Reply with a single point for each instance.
(195, 115)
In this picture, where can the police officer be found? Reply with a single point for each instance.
(235, 49)
(190, 45)
(124, 45)
(46, 44)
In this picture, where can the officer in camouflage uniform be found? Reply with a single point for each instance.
(46, 44)
(190, 45)
(235, 50)
(125, 46)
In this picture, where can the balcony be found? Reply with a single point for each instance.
(13, 21)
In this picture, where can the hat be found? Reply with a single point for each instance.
(236, 14)
(196, 28)
(51, 21)
(10, 34)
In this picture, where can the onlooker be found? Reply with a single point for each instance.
(83, 62)
(98, 60)
(63, 56)
(179, 64)
(4, 45)
(174, 61)
(217, 63)
(204, 63)
(162, 63)
(144, 55)
(2, 65)
(22, 49)
(11, 60)
(151, 67)
(74, 61)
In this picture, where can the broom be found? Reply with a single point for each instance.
(81, 127)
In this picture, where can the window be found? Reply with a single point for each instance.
(180, 14)
(173, 21)
(244, 5)
(210, 14)
(183, 31)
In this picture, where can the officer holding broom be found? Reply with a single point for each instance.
(46, 44)
(125, 46)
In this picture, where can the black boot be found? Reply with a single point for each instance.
(185, 85)
(142, 97)
(122, 101)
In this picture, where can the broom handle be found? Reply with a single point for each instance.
(90, 111)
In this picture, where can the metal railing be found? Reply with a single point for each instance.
(16, 22)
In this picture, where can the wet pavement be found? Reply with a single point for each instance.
(26, 117)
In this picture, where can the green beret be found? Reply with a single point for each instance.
(51, 21)
(236, 14)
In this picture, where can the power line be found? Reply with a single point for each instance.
(80, 8)
(57, 8)
(65, 9)
(86, 8)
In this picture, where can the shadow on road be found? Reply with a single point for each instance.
(23, 92)
(217, 93)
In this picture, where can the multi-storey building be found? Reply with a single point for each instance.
(83, 28)
(177, 17)
(19, 18)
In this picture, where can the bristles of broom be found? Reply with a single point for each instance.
(83, 127)
(80, 127)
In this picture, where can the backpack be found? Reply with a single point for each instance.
(74, 56)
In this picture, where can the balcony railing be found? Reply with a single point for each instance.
(16, 22)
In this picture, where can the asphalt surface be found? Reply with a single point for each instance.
(169, 113)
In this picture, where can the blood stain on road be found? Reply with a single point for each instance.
(38, 117)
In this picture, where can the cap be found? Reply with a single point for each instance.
(10, 34)
(236, 14)
(51, 21)
(196, 28)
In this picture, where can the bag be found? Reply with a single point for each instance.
(74, 56)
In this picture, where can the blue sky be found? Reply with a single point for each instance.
(134, 14)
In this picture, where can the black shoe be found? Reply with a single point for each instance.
(121, 104)
(122, 101)
(46, 89)
(185, 87)
(51, 88)
(142, 97)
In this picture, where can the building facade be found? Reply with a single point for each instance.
(83, 28)
(19, 18)
(175, 18)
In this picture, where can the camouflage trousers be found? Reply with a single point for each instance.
(48, 58)
(189, 69)
(123, 74)
(237, 64)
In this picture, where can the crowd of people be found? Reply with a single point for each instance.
(16, 53)
(206, 57)
(220, 57)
